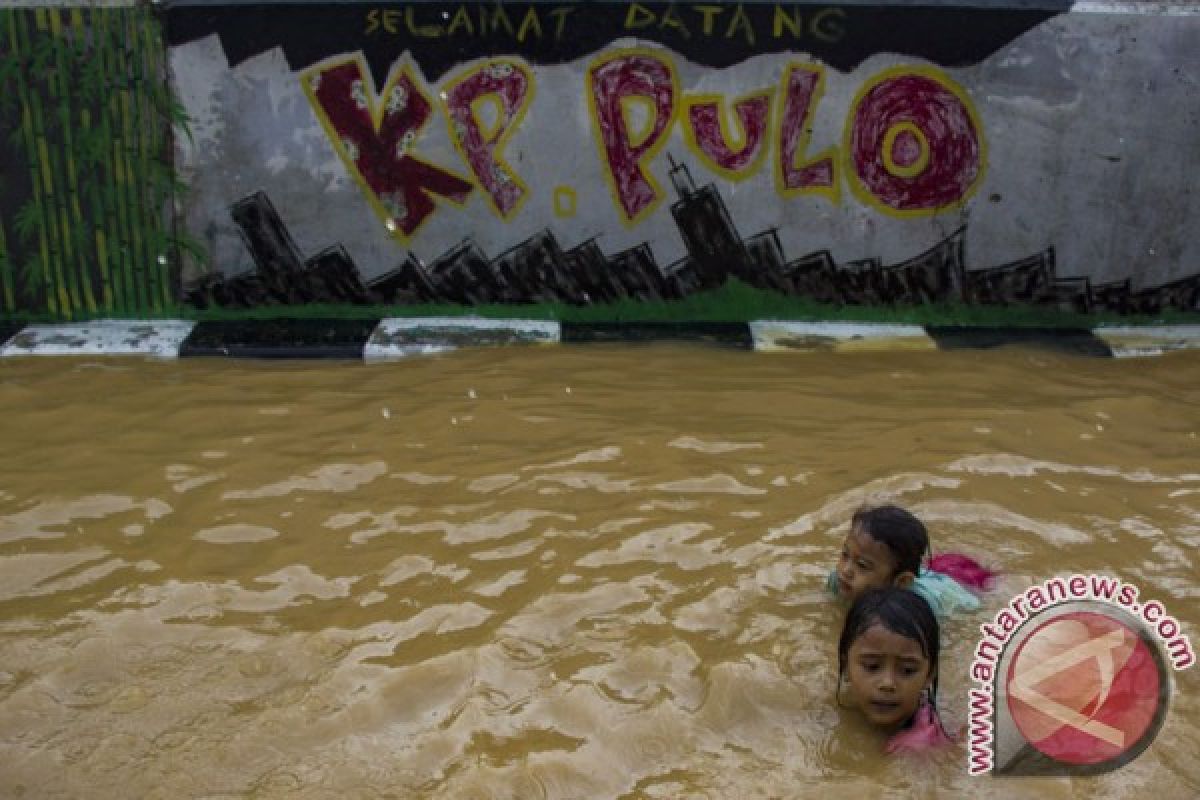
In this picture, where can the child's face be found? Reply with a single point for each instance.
(865, 563)
(887, 673)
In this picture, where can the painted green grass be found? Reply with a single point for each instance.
(733, 302)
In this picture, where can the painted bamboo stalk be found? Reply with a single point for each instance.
(127, 189)
(68, 86)
(101, 33)
(101, 194)
(155, 141)
(52, 155)
(93, 235)
(147, 226)
(124, 224)
(127, 186)
(82, 34)
(67, 300)
(125, 151)
(97, 217)
(42, 273)
(65, 278)
(90, 195)
(96, 208)
(114, 179)
(75, 260)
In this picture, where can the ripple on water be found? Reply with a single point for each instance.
(237, 533)
(48, 519)
(327, 478)
(692, 443)
(1022, 466)
(712, 484)
(430, 624)
(669, 545)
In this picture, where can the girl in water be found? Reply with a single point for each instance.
(888, 658)
(887, 546)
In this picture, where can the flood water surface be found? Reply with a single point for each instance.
(562, 573)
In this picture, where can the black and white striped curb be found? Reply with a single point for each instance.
(389, 339)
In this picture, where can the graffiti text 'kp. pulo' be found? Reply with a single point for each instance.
(912, 144)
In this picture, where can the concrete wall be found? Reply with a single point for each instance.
(982, 153)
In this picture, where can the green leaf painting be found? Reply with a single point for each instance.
(87, 118)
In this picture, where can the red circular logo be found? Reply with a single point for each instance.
(1083, 688)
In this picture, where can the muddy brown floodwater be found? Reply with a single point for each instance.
(525, 573)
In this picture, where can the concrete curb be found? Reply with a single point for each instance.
(1134, 341)
(775, 336)
(117, 337)
(375, 339)
(401, 337)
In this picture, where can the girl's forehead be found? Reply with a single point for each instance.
(866, 544)
(878, 639)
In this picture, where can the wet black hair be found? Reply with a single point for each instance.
(904, 613)
(898, 530)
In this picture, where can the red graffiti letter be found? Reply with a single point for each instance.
(704, 117)
(508, 84)
(381, 153)
(623, 77)
(914, 142)
(802, 88)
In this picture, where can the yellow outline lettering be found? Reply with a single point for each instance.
(889, 145)
(490, 132)
(376, 110)
(834, 191)
(461, 17)
(708, 15)
(739, 14)
(793, 22)
(638, 17)
(860, 191)
(732, 133)
(649, 155)
(531, 16)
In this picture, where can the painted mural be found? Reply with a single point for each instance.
(588, 153)
(86, 175)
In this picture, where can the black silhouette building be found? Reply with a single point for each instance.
(539, 270)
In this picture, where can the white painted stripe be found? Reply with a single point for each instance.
(161, 338)
(535, 327)
(1132, 341)
(401, 337)
(1181, 332)
(781, 335)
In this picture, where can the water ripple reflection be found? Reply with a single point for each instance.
(452, 577)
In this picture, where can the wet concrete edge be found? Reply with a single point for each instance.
(280, 338)
(722, 334)
(1079, 341)
(305, 338)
